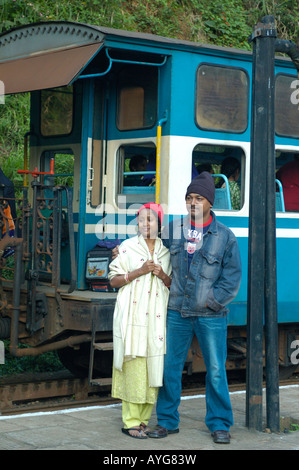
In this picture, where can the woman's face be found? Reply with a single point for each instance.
(147, 223)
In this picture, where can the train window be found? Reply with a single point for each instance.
(226, 164)
(222, 98)
(287, 180)
(56, 116)
(137, 97)
(136, 170)
(131, 106)
(63, 167)
(286, 106)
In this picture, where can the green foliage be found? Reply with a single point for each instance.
(47, 362)
(286, 13)
(19, 12)
(64, 165)
(14, 123)
(221, 22)
(162, 17)
(224, 22)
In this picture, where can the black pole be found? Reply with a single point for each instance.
(262, 150)
(262, 276)
(256, 254)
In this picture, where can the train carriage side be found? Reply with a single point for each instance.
(215, 128)
(221, 130)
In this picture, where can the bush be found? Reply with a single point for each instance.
(47, 362)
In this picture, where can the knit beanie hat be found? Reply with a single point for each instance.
(154, 207)
(204, 185)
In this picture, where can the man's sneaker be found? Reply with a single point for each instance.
(221, 437)
(158, 432)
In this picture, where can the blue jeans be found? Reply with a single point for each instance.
(211, 334)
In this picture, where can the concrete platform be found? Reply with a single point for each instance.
(99, 428)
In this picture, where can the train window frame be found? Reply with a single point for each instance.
(196, 104)
(280, 134)
(130, 197)
(220, 151)
(56, 90)
(137, 85)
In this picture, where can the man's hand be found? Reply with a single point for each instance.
(115, 252)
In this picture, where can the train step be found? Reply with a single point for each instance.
(101, 381)
(103, 346)
(96, 346)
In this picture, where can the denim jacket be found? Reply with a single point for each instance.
(214, 276)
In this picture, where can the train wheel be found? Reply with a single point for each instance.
(77, 361)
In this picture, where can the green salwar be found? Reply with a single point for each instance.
(131, 386)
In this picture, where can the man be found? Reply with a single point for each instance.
(206, 277)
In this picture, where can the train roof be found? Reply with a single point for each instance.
(79, 33)
(54, 53)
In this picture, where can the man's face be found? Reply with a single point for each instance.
(198, 208)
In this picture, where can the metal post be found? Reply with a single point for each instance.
(262, 151)
(271, 327)
(256, 255)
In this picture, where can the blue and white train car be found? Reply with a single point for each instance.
(133, 117)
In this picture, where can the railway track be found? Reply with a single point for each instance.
(57, 391)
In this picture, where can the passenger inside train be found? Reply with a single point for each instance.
(288, 175)
(136, 169)
(225, 163)
(231, 168)
(137, 165)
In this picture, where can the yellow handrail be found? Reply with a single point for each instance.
(158, 158)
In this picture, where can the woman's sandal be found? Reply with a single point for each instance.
(140, 432)
(146, 429)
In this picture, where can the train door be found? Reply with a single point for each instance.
(119, 122)
(92, 170)
(120, 112)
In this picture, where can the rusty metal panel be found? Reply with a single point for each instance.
(47, 70)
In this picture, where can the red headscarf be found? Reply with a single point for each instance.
(154, 207)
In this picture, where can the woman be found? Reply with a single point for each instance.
(142, 272)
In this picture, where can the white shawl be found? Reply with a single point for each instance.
(139, 323)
